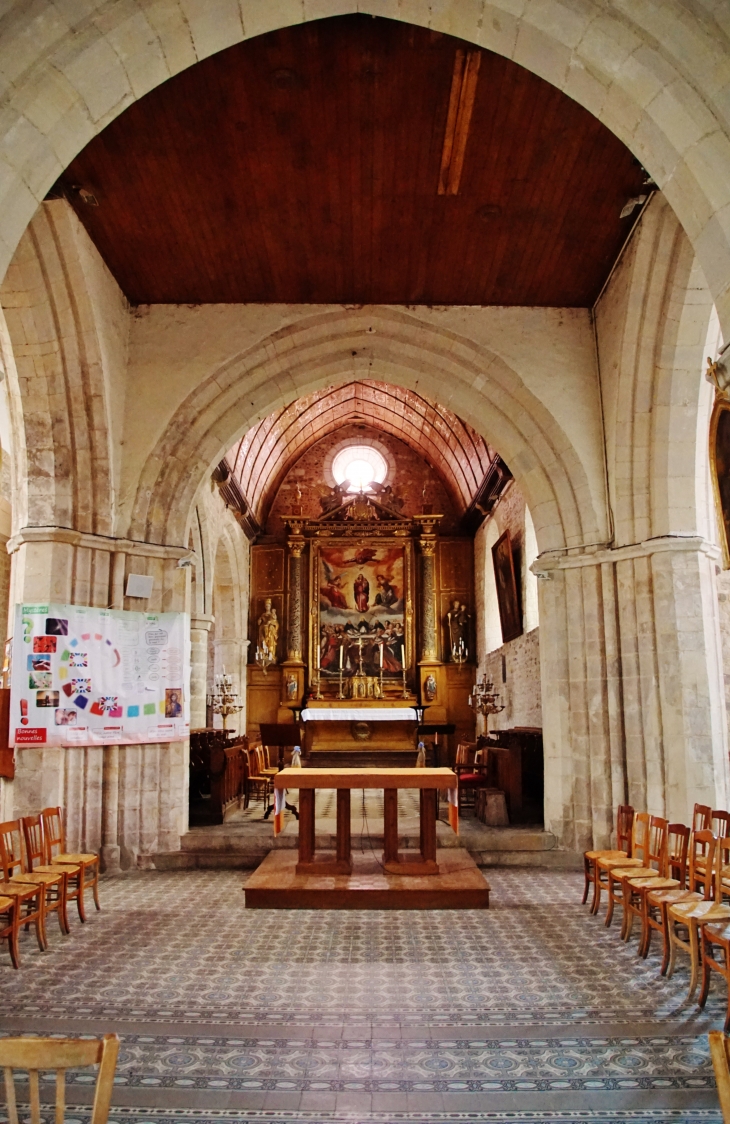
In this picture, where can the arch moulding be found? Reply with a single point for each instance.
(657, 74)
(330, 348)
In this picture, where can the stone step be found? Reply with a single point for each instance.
(242, 846)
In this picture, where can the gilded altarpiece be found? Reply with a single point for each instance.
(361, 618)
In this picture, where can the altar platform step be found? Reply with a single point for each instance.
(458, 885)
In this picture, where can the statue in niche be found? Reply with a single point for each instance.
(429, 688)
(291, 688)
(268, 626)
(457, 620)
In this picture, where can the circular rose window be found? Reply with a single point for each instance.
(361, 466)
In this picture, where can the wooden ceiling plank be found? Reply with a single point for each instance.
(279, 170)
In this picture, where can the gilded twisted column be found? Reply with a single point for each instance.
(429, 618)
(294, 621)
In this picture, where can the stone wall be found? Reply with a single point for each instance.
(514, 667)
(415, 481)
(515, 671)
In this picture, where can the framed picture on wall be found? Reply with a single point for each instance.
(504, 576)
(720, 469)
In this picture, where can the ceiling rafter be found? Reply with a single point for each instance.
(264, 455)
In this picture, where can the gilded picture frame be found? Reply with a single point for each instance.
(336, 566)
(720, 472)
(507, 596)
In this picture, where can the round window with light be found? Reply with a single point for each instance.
(361, 466)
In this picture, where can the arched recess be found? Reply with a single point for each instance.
(653, 73)
(476, 384)
(227, 647)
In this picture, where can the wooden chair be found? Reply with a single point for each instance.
(624, 823)
(471, 776)
(53, 880)
(639, 845)
(655, 859)
(715, 938)
(260, 783)
(721, 823)
(35, 853)
(38, 1055)
(699, 884)
(9, 928)
(693, 913)
(636, 889)
(702, 817)
(29, 899)
(89, 863)
(720, 1054)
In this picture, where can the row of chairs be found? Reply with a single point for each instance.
(40, 877)
(673, 879)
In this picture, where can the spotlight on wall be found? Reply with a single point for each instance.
(184, 563)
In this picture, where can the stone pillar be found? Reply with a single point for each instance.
(632, 686)
(200, 626)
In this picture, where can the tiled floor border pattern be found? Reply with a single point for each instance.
(377, 973)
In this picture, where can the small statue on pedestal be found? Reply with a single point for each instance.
(457, 620)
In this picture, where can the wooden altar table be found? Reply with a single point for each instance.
(430, 878)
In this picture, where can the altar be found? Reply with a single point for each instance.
(339, 727)
(427, 878)
(358, 620)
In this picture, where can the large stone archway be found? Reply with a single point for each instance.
(656, 74)
(320, 349)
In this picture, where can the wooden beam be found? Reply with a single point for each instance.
(458, 120)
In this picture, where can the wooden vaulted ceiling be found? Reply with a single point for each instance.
(310, 165)
(261, 460)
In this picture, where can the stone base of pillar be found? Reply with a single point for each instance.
(111, 855)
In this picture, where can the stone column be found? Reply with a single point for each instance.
(632, 686)
(200, 626)
(294, 618)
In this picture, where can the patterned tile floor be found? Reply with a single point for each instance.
(530, 1011)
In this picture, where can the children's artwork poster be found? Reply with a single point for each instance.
(85, 676)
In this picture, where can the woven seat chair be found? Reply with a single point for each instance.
(39, 1055)
(53, 837)
(29, 899)
(9, 928)
(636, 889)
(715, 938)
(693, 913)
(639, 845)
(16, 868)
(698, 886)
(624, 824)
(655, 860)
(35, 854)
(260, 782)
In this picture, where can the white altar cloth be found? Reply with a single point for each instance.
(360, 714)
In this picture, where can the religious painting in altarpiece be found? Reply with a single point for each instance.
(362, 618)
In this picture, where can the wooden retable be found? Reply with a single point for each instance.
(428, 781)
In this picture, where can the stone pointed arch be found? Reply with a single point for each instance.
(397, 347)
(653, 73)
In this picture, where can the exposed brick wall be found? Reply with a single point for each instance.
(414, 479)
